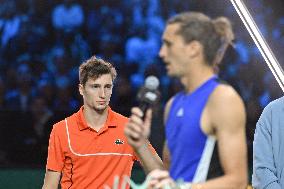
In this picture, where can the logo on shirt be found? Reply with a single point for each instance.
(180, 112)
(118, 141)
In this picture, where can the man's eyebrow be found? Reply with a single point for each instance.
(166, 41)
(97, 84)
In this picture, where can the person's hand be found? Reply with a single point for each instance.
(136, 130)
(160, 179)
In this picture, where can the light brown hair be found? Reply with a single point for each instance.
(214, 34)
(94, 68)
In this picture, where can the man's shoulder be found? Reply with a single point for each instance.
(119, 117)
(224, 94)
(225, 90)
(61, 125)
(276, 104)
(226, 106)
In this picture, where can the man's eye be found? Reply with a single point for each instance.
(95, 86)
(168, 44)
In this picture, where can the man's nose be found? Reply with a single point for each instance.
(162, 52)
(102, 93)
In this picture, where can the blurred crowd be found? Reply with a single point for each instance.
(42, 43)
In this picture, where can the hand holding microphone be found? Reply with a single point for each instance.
(148, 95)
(137, 129)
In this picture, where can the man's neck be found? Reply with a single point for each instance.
(95, 119)
(195, 78)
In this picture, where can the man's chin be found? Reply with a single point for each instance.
(100, 109)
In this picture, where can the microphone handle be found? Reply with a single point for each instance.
(143, 106)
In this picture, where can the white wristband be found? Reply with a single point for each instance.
(185, 185)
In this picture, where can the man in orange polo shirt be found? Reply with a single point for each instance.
(89, 148)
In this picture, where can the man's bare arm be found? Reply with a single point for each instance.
(166, 153)
(137, 132)
(149, 160)
(227, 114)
(166, 156)
(51, 179)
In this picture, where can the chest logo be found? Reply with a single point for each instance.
(180, 112)
(118, 141)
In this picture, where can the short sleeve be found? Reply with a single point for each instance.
(55, 159)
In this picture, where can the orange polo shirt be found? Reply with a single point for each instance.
(87, 158)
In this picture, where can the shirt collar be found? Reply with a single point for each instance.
(82, 123)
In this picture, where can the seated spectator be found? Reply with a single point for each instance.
(67, 16)
(10, 22)
(46, 89)
(20, 97)
(65, 103)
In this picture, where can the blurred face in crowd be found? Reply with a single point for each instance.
(38, 106)
(97, 92)
(174, 51)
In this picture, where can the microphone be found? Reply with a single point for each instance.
(148, 95)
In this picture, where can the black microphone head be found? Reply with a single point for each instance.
(148, 95)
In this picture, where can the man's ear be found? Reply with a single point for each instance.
(81, 88)
(194, 48)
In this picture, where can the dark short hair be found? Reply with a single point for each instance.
(94, 68)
